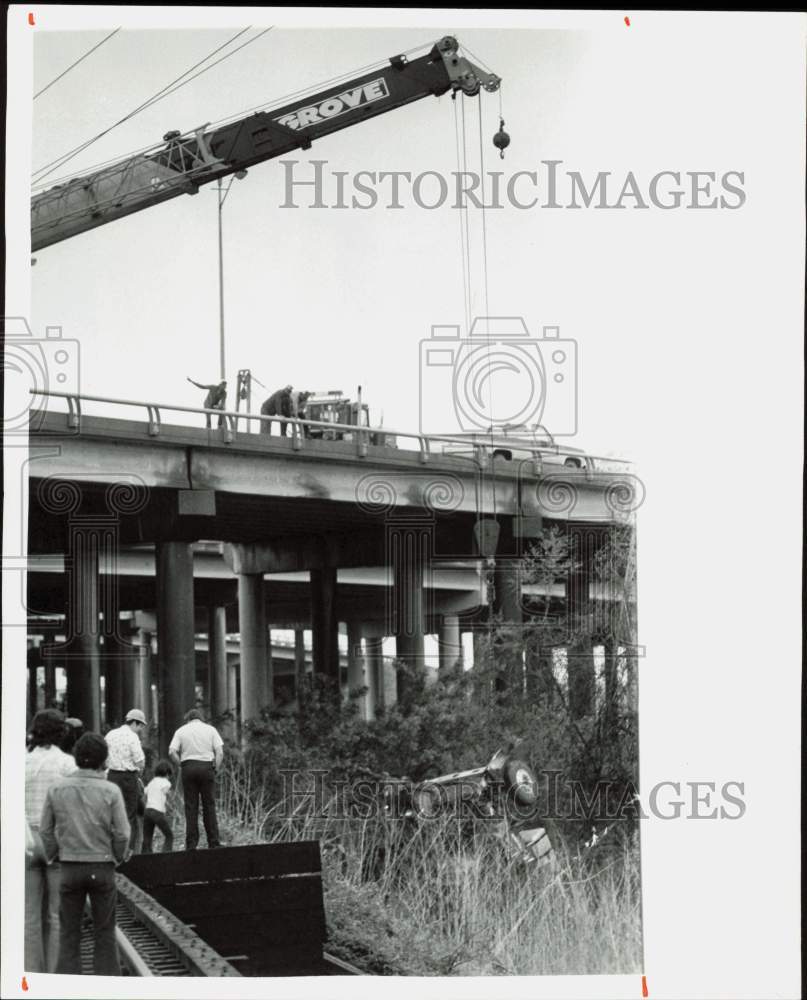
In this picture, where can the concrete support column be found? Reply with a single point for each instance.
(507, 604)
(356, 672)
(409, 542)
(299, 660)
(129, 687)
(175, 634)
(324, 623)
(374, 660)
(33, 691)
(50, 684)
(252, 626)
(81, 652)
(450, 643)
(232, 728)
(142, 676)
(269, 675)
(114, 665)
(217, 660)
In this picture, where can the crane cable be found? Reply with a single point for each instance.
(464, 250)
(73, 65)
(168, 89)
(266, 106)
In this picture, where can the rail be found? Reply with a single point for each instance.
(483, 447)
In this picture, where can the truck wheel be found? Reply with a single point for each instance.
(518, 776)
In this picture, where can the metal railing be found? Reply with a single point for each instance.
(483, 447)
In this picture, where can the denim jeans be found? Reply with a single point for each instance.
(41, 916)
(96, 880)
(154, 818)
(199, 782)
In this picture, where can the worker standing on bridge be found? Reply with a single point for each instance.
(198, 749)
(216, 398)
(84, 825)
(280, 404)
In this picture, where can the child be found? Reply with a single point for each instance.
(84, 824)
(157, 792)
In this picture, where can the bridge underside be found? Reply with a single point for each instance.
(137, 547)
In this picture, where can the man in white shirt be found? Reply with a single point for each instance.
(198, 750)
(125, 762)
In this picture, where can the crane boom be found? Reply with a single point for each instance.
(185, 161)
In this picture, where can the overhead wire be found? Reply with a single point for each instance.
(48, 168)
(74, 64)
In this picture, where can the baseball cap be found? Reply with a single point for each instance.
(135, 715)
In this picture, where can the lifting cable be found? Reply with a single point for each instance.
(73, 65)
(463, 247)
(169, 88)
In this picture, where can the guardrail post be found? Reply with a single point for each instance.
(74, 411)
(154, 420)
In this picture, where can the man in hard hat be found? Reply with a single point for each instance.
(215, 399)
(125, 762)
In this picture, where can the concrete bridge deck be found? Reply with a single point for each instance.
(287, 519)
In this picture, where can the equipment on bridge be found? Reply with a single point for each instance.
(185, 161)
(335, 407)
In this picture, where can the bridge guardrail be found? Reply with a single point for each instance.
(482, 446)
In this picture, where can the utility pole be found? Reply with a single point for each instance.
(222, 197)
(222, 367)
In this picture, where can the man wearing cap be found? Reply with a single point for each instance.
(125, 762)
(198, 749)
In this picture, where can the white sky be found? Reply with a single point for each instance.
(334, 298)
(689, 326)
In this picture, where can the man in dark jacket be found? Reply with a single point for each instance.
(216, 398)
(280, 404)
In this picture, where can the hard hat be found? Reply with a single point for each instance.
(135, 715)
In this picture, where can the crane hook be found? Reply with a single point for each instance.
(501, 140)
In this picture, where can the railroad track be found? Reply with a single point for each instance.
(259, 908)
(153, 942)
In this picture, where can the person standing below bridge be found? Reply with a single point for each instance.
(280, 404)
(215, 399)
(84, 825)
(126, 761)
(198, 750)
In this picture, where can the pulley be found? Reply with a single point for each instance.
(501, 140)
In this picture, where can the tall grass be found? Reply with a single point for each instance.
(437, 898)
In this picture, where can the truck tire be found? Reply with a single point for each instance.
(519, 777)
